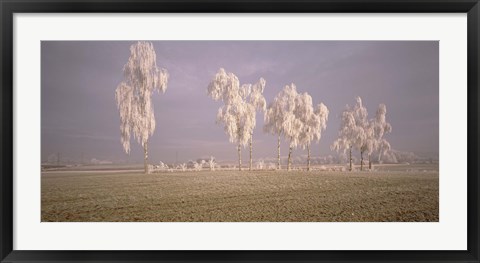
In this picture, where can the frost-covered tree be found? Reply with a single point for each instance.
(226, 87)
(352, 132)
(238, 113)
(374, 130)
(369, 143)
(380, 127)
(183, 167)
(211, 163)
(292, 115)
(314, 121)
(197, 166)
(345, 134)
(134, 96)
(258, 102)
(365, 135)
(362, 141)
(291, 126)
(273, 122)
(162, 166)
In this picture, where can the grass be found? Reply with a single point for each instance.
(231, 196)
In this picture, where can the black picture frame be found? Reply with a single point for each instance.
(9, 8)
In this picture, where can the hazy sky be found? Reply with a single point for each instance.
(80, 116)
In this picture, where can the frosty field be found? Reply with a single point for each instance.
(402, 194)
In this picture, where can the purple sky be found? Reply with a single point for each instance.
(80, 116)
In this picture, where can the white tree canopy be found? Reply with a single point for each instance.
(273, 120)
(374, 130)
(314, 121)
(352, 128)
(293, 115)
(225, 87)
(134, 94)
(322, 112)
(256, 95)
(363, 132)
(291, 125)
(274, 115)
(357, 132)
(256, 101)
(381, 127)
(240, 104)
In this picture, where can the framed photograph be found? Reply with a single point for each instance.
(239, 131)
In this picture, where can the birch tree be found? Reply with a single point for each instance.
(237, 114)
(134, 96)
(273, 121)
(212, 163)
(351, 133)
(292, 115)
(362, 141)
(314, 121)
(258, 102)
(291, 125)
(345, 134)
(374, 130)
(380, 127)
(370, 142)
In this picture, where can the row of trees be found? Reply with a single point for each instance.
(290, 115)
(293, 116)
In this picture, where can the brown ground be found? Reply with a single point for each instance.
(241, 196)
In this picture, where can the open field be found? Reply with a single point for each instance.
(267, 196)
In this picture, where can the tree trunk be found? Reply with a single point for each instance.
(289, 158)
(278, 148)
(361, 160)
(308, 159)
(350, 158)
(239, 149)
(369, 162)
(251, 147)
(145, 157)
